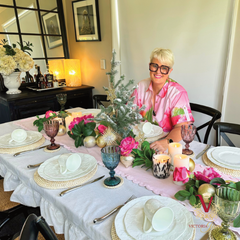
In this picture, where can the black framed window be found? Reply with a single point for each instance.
(40, 22)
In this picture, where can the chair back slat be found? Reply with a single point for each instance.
(215, 114)
(224, 127)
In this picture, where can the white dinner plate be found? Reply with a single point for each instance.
(32, 137)
(120, 224)
(92, 111)
(227, 155)
(212, 159)
(156, 131)
(50, 169)
(134, 219)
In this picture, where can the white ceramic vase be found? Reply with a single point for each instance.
(12, 82)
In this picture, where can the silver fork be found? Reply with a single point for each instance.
(98, 220)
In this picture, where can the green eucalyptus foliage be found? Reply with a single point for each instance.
(143, 156)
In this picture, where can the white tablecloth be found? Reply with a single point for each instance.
(72, 214)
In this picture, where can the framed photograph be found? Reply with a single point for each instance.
(86, 20)
(52, 26)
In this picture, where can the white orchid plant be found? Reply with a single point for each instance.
(13, 59)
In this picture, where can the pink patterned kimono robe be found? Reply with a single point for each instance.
(171, 103)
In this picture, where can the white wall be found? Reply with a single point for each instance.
(231, 112)
(197, 31)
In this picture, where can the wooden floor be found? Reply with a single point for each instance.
(5, 204)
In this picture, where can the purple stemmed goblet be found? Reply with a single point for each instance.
(188, 132)
(51, 128)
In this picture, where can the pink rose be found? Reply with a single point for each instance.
(77, 120)
(207, 175)
(49, 113)
(181, 174)
(127, 145)
(102, 128)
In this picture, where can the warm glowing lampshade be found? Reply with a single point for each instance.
(56, 67)
(72, 72)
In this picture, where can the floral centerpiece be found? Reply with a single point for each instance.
(80, 128)
(48, 116)
(13, 61)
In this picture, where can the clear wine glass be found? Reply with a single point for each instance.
(51, 128)
(62, 99)
(111, 157)
(188, 132)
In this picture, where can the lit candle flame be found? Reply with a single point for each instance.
(72, 72)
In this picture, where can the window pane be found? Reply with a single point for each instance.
(26, 17)
(54, 46)
(26, 3)
(37, 45)
(48, 5)
(12, 38)
(51, 23)
(7, 2)
(7, 20)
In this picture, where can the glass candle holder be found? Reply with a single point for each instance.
(161, 165)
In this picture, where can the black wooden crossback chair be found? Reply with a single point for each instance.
(32, 226)
(99, 99)
(222, 128)
(215, 114)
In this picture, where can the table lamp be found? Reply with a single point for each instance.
(72, 72)
(56, 67)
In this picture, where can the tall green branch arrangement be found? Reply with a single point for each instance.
(122, 114)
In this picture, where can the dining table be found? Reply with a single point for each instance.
(73, 213)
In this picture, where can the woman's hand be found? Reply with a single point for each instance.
(160, 146)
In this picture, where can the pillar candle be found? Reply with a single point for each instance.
(68, 120)
(77, 114)
(174, 149)
(161, 165)
(181, 160)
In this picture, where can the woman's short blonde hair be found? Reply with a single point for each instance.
(165, 56)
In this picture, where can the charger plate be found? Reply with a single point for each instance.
(63, 184)
(119, 229)
(208, 162)
(32, 137)
(50, 169)
(214, 159)
(23, 148)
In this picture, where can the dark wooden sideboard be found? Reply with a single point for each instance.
(31, 103)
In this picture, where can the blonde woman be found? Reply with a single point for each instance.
(165, 100)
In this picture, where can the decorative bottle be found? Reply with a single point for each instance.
(48, 78)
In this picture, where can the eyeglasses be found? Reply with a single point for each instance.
(153, 67)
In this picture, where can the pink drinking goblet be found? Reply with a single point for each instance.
(188, 132)
(51, 128)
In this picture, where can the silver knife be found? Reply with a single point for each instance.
(98, 220)
(78, 186)
(203, 151)
(34, 149)
(35, 165)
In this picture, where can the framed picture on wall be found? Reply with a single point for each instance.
(52, 26)
(86, 20)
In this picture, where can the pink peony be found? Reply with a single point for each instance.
(181, 174)
(77, 120)
(207, 175)
(127, 145)
(49, 113)
(102, 128)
